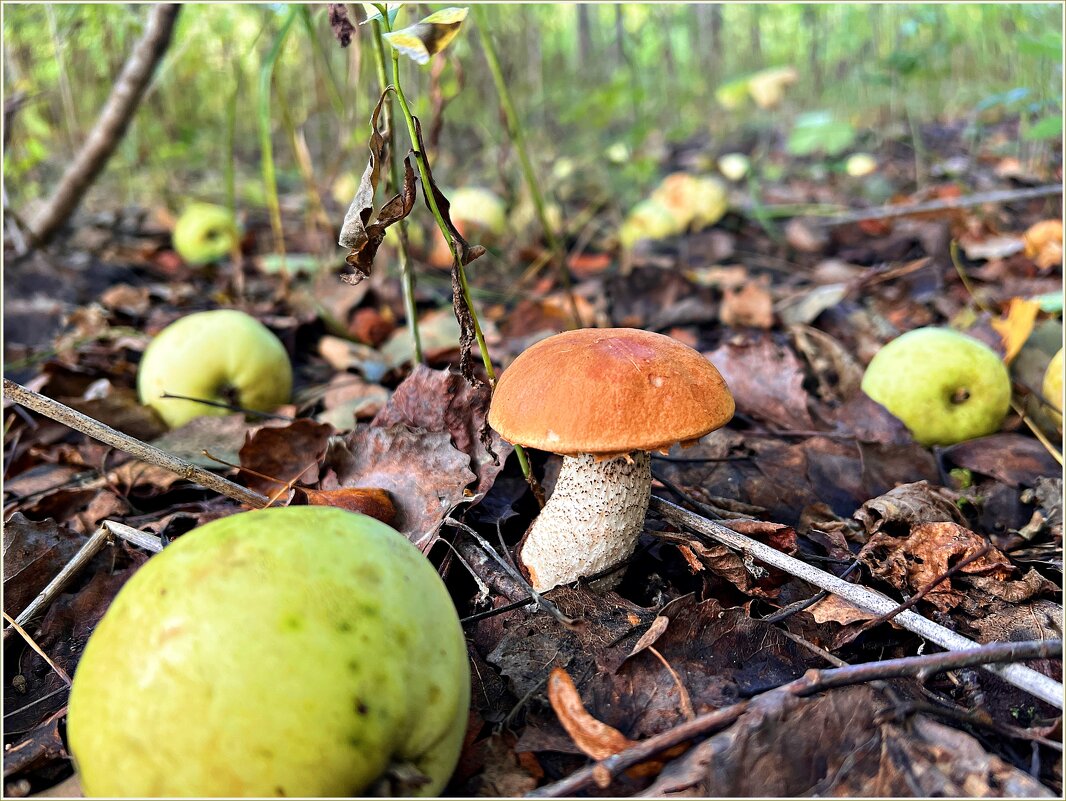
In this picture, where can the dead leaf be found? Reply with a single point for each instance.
(428, 36)
(423, 472)
(749, 306)
(1043, 243)
(910, 564)
(1014, 329)
(834, 609)
(284, 453)
(1014, 459)
(375, 503)
(594, 737)
(33, 554)
(766, 380)
(908, 505)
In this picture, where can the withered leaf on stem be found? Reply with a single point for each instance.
(341, 25)
(358, 234)
(466, 253)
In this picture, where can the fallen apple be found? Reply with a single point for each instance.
(301, 651)
(224, 356)
(649, 219)
(693, 200)
(734, 166)
(944, 386)
(1052, 387)
(205, 233)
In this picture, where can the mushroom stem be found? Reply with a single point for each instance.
(591, 522)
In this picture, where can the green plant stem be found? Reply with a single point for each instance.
(518, 138)
(269, 178)
(407, 278)
(423, 172)
(229, 169)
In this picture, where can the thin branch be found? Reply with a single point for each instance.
(37, 649)
(110, 127)
(142, 450)
(1025, 678)
(946, 204)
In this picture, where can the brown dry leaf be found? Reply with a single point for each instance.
(907, 505)
(1014, 459)
(1014, 329)
(834, 609)
(766, 380)
(423, 472)
(349, 399)
(1043, 243)
(373, 502)
(442, 400)
(834, 745)
(750, 305)
(119, 408)
(285, 453)
(33, 554)
(594, 737)
(912, 563)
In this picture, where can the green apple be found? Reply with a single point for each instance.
(734, 166)
(649, 219)
(225, 356)
(205, 233)
(1052, 387)
(693, 200)
(301, 651)
(944, 386)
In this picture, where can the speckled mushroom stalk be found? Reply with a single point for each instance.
(591, 522)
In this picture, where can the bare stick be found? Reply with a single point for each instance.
(87, 551)
(813, 681)
(142, 450)
(150, 542)
(37, 649)
(1025, 678)
(899, 210)
(110, 126)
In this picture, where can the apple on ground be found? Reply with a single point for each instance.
(304, 651)
(224, 356)
(205, 233)
(944, 386)
(1052, 387)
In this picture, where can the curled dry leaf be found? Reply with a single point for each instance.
(907, 505)
(33, 554)
(1043, 243)
(910, 564)
(594, 737)
(361, 236)
(373, 502)
(284, 454)
(428, 36)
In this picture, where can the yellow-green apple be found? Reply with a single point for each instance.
(205, 233)
(224, 356)
(303, 651)
(944, 386)
(1052, 387)
(649, 219)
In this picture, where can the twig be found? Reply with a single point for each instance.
(928, 588)
(142, 450)
(1056, 454)
(87, 551)
(109, 129)
(141, 539)
(946, 204)
(1037, 684)
(813, 681)
(37, 649)
(806, 603)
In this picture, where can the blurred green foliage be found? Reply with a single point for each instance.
(585, 79)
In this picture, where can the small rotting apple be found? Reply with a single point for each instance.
(302, 651)
(205, 233)
(224, 356)
(1052, 387)
(944, 386)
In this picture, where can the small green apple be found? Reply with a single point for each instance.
(649, 219)
(734, 166)
(693, 200)
(205, 233)
(1052, 387)
(301, 651)
(944, 386)
(225, 356)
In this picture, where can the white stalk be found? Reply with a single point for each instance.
(591, 522)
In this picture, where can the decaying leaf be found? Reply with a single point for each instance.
(373, 502)
(1043, 243)
(1016, 326)
(361, 236)
(33, 554)
(428, 36)
(594, 737)
(284, 454)
(907, 505)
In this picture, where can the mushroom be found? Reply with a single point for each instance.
(602, 398)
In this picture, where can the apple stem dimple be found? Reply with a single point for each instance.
(960, 395)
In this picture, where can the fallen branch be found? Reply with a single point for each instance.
(146, 453)
(813, 681)
(110, 127)
(1022, 677)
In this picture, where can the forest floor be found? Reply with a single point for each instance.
(790, 310)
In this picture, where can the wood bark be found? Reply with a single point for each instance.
(110, 127)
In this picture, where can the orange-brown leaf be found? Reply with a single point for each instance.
(375, 503)
(594, 737)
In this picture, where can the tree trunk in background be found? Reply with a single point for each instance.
(755, 35)
(715, 36)
(110, 127)
(620, 35)
(814, 61)
(584, 39)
